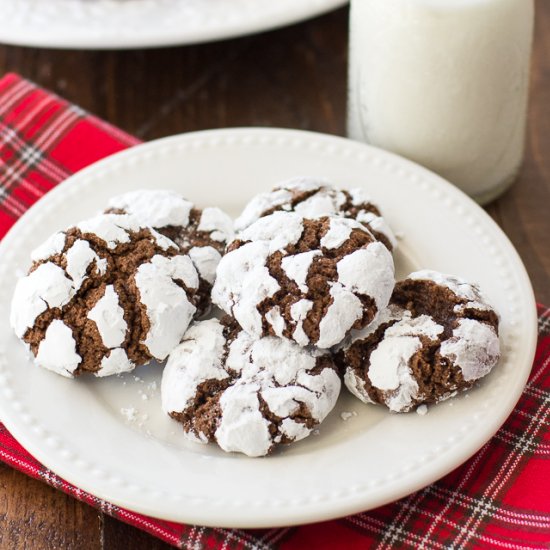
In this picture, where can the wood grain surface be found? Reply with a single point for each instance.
(294, 77)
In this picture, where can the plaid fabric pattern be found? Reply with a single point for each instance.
(500, 498)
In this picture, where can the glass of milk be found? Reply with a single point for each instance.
(444, 83)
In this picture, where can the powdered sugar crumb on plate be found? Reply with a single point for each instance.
(422, 410)
(129, 413)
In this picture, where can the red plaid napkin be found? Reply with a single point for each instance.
(499, 499)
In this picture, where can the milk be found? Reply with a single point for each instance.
(444, 83)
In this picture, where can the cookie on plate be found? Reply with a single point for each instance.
(248, 395)
(104, 296)
(202, 234)
(312, 198)
(438, 336)
(309, 280)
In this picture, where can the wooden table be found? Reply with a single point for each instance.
(294, 77)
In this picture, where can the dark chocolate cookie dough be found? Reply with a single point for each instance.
(309, 280)
(437, 338)
(104, 296)
(246, 394)
(313, 198)
(202, 234)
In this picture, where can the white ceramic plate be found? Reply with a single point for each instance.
(77, 427)
(99, 24)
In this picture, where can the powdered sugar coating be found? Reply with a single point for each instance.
(257, 373)
(279, 230)
(389, 371)
(202, 234)
(247, 280)
(276, 320)
(314, 198)
(169, 308)
(339, 232)
(280, 198)
(377, 281)
(162, 208)
(50, 247)
(356, 385)
(468, 292)
(344, 311)
(216, 222)
(197, 359)
(297, 266)
(474, 347)
(45, 287)
(155, 208)
(386, 315)
(116, 229)
(116, 362)
(109, 318)
(389, 368)
(206, 260)
(79, 257)
(243, 281)
(377, 225)
(57, 352)
(299, 312)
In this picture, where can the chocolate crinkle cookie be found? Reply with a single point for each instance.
(246, 394)
(313, 198)
(202, 234)
(104, 296)
(437, 337)
(308, 280)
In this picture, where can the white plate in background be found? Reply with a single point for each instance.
(106, 24)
